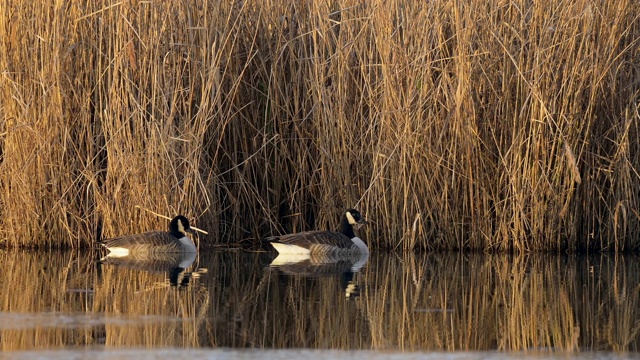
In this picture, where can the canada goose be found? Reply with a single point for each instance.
(153, 242)
(344, 241)
(152, 262)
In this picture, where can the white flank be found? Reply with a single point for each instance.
(117, 252)
(187, 244)
(290, 249)
(361, 245)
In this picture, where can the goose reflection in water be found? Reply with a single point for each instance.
(174, 264)
(344, 266)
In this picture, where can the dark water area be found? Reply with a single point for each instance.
(384, 304)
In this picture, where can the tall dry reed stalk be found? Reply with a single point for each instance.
(501, 126)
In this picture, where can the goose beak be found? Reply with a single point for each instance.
(362, 222)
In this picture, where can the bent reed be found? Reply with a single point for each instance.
(494, 125)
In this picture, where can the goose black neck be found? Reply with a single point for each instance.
(347, 228)
(174, 229)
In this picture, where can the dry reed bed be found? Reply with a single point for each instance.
(500, 125)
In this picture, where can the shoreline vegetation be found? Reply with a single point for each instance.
(499, 126)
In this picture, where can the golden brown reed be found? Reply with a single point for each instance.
(501, 126)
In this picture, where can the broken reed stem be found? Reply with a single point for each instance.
(168, 218)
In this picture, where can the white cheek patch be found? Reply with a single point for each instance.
(350, 218)
(180, 226)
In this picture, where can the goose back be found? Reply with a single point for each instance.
(149, 243)
(323, 243)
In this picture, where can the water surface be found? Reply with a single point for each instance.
(396, 303)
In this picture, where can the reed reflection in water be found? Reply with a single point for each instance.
(406, 302)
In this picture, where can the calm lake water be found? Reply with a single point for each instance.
(236, 304)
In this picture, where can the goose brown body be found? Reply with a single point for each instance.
(153, 242)
(149, 242)
(331, 243)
